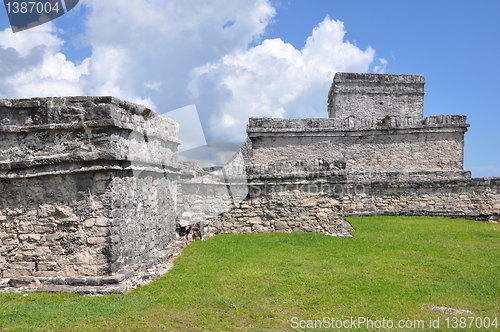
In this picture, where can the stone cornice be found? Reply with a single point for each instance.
(353, 126)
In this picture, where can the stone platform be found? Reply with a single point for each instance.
(88, 189)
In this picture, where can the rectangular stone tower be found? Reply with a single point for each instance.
(376, 96)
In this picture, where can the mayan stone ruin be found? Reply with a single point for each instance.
(88, 191)
(94, 199)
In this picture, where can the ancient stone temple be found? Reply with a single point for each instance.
(88, 191)
(376, 126)
(375, 155)
(93, 198)
(396, 161)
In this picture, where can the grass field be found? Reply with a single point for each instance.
(392, 269)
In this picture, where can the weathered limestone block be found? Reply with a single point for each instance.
(88, 188)
(376, 95)
(283, 196)
(205, 193)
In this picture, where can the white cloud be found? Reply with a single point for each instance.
(274, 79)
(153, 85)
(167, 55)
(147, 48)
(108, 68)
(381, 67)
(31, 64)
(24, 42)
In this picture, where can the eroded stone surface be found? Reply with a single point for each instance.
(94, 201)
(376, 95)
(88, 188)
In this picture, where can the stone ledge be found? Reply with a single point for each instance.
(64, 135)
(379, 78)
(435, 183)
(406, 176)
(72, 113)
(8, 171)
(122, 282)
(82, 290)
(37, 102)
(355, 126)
(258, 176)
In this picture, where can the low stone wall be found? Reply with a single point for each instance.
(207, 193)
(290, 211)
(318, 203)
(88, 191)
(283, 196)
(471, 198)
(312, 195)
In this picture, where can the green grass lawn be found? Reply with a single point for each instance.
(391, 269)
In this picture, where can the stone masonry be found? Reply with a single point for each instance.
(375, 126)
(93, 199)
(88, 193)
(375, 154)
(376, 96)
(396, 161)
(287, 196)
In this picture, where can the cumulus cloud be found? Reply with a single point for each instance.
(146, 49)
(381, 67)
(167, 55)
(274, 79)
(31, 64)
(24, 42)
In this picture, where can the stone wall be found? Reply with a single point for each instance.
(471, 198)
(283, 196)
(376, 95)
(313, 195)
(83, 224)
(88, 190)
(209, 192)
(392, 144)
(287, 211)
(314, 199)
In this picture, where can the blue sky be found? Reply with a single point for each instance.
(241, 58)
